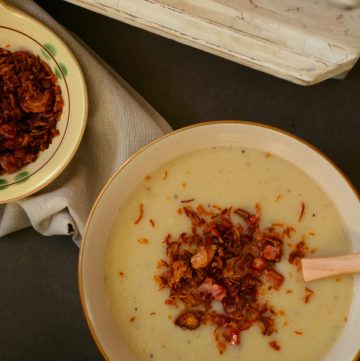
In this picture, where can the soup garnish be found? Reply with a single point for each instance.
(30, 107)
(226, 258)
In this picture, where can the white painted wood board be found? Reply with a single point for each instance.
(304, 41)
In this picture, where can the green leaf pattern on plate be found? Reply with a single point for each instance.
(60, 71)
(3, 184)
(45, 54)
(21, 177)
(51, 48)
(63, 69)
(57, 73)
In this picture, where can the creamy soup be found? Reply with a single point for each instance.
(228, 177)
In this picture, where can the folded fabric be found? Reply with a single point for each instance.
(119, 123)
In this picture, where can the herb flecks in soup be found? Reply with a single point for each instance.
(309, 317)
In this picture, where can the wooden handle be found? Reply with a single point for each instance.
(315, 268)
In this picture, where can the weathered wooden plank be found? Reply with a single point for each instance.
(304, 42)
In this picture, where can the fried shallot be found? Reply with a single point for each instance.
(30, 107)
(226, 258)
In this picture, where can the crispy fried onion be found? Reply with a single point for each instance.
(227, 258)
(30, 106)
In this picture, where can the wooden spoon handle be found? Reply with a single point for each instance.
(315, 268)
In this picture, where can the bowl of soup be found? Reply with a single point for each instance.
(192, 249)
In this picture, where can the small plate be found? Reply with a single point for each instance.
(19, 31)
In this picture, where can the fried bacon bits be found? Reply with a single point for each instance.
(30, 107)
(275, 345)
(302, 211)
(143, 241)
(227, 258)
(141, 214)
(298, 253)
(309, 294)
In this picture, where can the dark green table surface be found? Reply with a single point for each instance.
(40, 313)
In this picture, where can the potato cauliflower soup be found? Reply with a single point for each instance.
(181, 285)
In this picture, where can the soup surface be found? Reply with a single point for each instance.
(227, 177)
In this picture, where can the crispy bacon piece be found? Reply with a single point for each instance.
(203, 256)
(143, 241)
(275, 345)
(141, 214)
(161, 264)
(30, 107)
(267, 325)
(188, 200)
(220, 340)
(195, 219)
(189, 320)
(227, 258)
(232, 334)
(299, 252)
(202, 211)
(36, 103)
(181, 270)
(288, 231)
(274, 278)
(259, 263)
(302, 211)
(309, 294)
(209, 287)
(272, 252)
(8, 131)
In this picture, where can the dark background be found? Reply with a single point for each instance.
(40, 312)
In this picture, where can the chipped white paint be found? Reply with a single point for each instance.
(305, 41)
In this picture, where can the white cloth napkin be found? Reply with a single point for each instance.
(119, 123)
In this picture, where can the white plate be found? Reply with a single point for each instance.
(18, 31)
